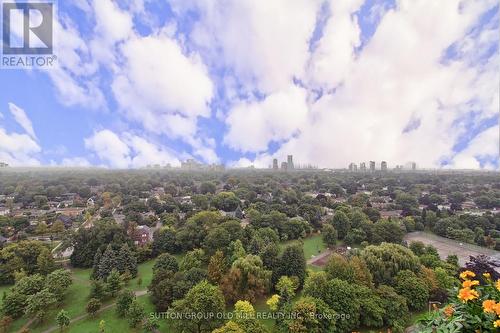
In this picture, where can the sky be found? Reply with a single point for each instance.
(240, 82)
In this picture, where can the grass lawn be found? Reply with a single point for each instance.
(2, 290)
(113, 322)
(313, 245)
(77, 297)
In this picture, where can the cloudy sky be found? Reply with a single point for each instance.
(239, 82)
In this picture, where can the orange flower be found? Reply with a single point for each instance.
(448, 311)
(467, 294)
(497, 309)
(487, 276)
(470, 283)
(496, 323)
(465, 275)
(489, 306)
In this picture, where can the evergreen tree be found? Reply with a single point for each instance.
(95, 267)
(292, 263)
(236, 251)
(62, 320)
(98, 289)
(126, 261)
(114, 283)
(217, 267)
(107, 263)
(135, 313)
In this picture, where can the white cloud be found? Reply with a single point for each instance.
(161, 87)
(147, 153)
(334, 55)
(400, 76)
(252, 125)
(22, 119)
(109, 148)
(258, 51)
(75, 162)
(265, 42)
(112, 23)
(18, 149)
(484, 146)
(74, 73)
(128, 150)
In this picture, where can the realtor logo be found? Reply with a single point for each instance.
(27, 33)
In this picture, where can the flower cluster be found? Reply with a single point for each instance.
(475, 307)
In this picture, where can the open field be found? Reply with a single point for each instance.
(446, 247)
(313, 245)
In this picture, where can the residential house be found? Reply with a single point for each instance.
(386, 214)
(142, 235)
(4, 211)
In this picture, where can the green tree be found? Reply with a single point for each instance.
(353, 270)
(123, 302)
(236, 251)
(247, 279)
(385, 261)
(340, 297)
(329, 235)
(192, 259)
(62, 320)
(245, 318)
(229, 327)
(387, 231)
(114, 283)
(13, 304)
(151, 325)
(102, 326)
(93, 305)
(19, 256)
(107, 263)
(135, 314)
(207, 187)
(95, 266)
(126, 261)
(286, 288)
(58, 283)
(371, 311)
(166, 262)
(396, 313)
(45, 262)
(38, 304)
(87, 242)
(341, 223)
(203, 298)
(413, 289)
(29, 285)
(315, 284)
(217, 267)
(306, 312)
(291, 263)
(226, 201)
(98, 289)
